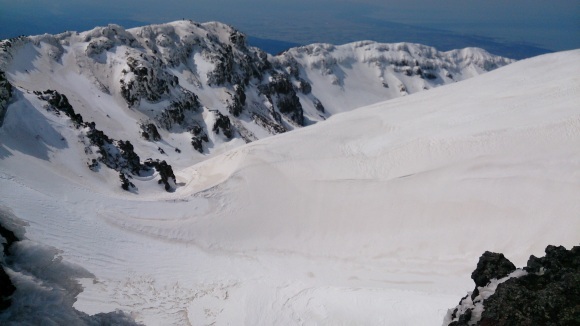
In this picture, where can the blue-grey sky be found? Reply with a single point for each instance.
(517, 27)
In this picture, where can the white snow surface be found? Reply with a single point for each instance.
(373, 217)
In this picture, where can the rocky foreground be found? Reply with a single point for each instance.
(545, 292)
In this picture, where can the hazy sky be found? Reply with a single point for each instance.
(545, 24)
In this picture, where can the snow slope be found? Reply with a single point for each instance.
(375, 216)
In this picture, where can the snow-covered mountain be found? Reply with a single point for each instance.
(374, 216)
(181, 92)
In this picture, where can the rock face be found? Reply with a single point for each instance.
(5, 94)
(545, 292)
(491, 265)
(223, 123)
(7, 238)
(167, 178)
(548, 295)
(150, 132)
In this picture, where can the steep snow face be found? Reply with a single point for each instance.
(184, 77)
(375, 216)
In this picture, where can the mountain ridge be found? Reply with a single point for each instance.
(199, 88)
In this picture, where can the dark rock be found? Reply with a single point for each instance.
(6, 289)
(165, 172)
(199, 136)
(118, 155)
(280, 93)
(223, 122)
(428, 75)
(224, 67)
(463, 319)
(175, 113)
(149, 80)
(93, 165)
(96, 136)
(125, 183)
(304, 86)
(549, 294)
(150, 132)
(238, 101)
(280, 84)
(5, 95)
(197, 143)
(491, 265)
(238, 38)
(271, 126)
(59, 103)
(290, 106)
(132, 161)
(9, 238)
(318, 105)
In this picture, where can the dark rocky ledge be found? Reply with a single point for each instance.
(545, 292)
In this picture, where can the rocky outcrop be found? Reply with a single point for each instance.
(59, 103)
(185, 101)
(5, 95)
(491, 265)
(150, 132)
(125, 183)
(223, 123)
(145, 78)
(166, 176)
(280, 93)
(272, 125)
(545, 292)
(199, 137)
(238, 100)
(7, 237)
(118, 155)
